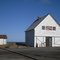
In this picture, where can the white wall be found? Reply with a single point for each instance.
(48, 21)
(56, 42)
(40, 41)
(3, 41)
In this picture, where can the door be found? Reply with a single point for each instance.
(36, 45)
(48, 41)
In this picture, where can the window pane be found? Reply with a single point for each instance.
(48, 27)
(43, 27)
(54, 28)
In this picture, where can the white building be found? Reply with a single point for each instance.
(44, 32)
(3, 39)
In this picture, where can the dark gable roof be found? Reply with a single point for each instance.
(3, 37)
(39, 19)
(36, 22)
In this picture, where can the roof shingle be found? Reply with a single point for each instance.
(37, 21)
(3, 37)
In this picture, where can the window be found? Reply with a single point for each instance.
(48, 27)
(54, 28)
(43, 27)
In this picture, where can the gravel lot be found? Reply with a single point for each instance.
(30, 54)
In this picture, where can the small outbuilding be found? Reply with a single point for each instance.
(44, 32)
(3, 39)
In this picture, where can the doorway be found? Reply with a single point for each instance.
(36, 45)
(48, 41)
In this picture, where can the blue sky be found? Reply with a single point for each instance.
(17, 15)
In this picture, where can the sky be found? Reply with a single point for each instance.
(17, 15)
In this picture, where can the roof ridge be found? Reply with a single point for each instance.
(36, 22)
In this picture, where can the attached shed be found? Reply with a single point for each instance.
(3, 39)
(44, 32)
